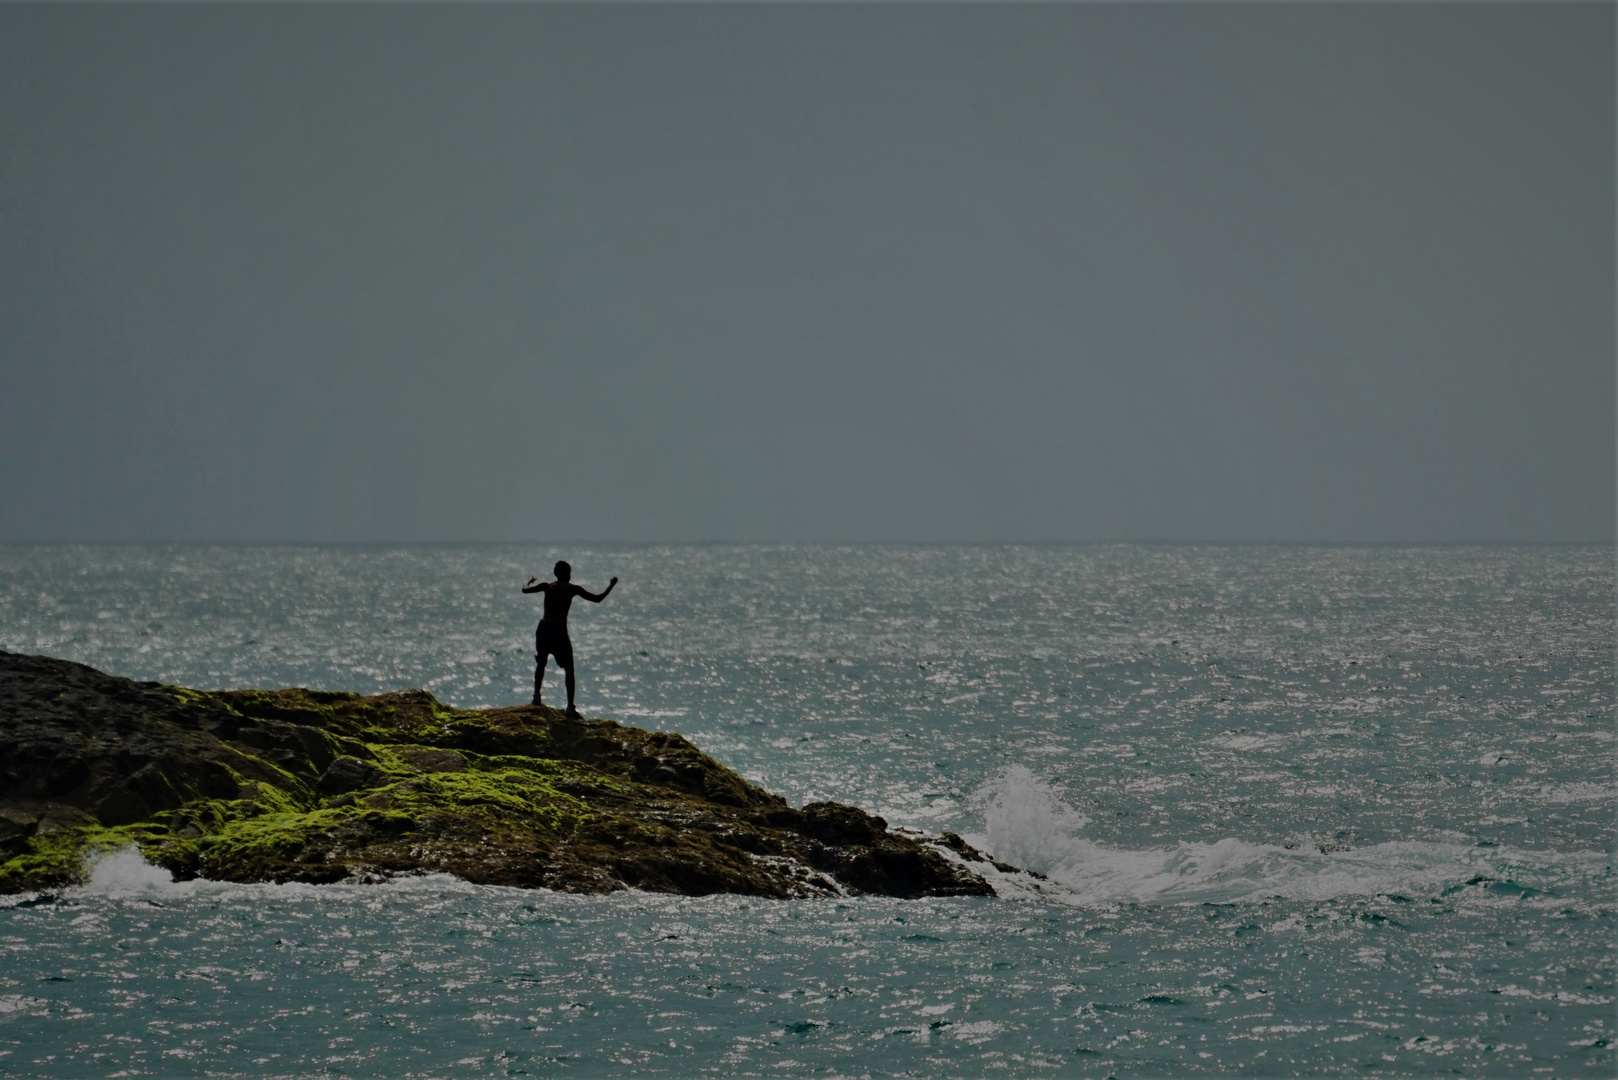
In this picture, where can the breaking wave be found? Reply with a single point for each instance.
(1027, 824)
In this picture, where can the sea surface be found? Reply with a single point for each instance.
(1306, 811)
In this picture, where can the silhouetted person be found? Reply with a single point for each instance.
(550, 638)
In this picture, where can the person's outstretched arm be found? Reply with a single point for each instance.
(596, 597)
(536, 585)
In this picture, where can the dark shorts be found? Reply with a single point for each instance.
(552, 641)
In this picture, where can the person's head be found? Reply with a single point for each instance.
(562, 570)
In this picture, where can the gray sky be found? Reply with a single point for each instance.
(1290, 272)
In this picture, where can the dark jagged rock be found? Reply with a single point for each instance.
(304, 785)
(346, 774)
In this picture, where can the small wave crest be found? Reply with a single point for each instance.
(125, 874)
(1027, 824)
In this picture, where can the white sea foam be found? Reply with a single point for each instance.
(1028, 824)
(125, 874)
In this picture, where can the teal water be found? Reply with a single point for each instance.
(1303, 811)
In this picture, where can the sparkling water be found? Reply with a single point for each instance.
(1302, 811)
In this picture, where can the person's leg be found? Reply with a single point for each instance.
(542, 653)
(564, 660)
(539, 675)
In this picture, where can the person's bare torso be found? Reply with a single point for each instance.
(558, 598)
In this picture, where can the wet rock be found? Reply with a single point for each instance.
(834, 823)
(957, 844)
(892, 868)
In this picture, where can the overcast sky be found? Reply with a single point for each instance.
(839, 272)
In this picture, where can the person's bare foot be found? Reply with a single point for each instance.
(536, 701)
(573, 714)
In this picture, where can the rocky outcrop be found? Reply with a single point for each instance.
(303, 785)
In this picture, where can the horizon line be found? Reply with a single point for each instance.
(717, 542)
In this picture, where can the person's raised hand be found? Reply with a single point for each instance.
(611, 583)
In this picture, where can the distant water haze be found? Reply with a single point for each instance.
(807, 272)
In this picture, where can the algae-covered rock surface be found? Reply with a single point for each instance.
(304, 785)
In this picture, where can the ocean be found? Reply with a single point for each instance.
(1302, 811)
